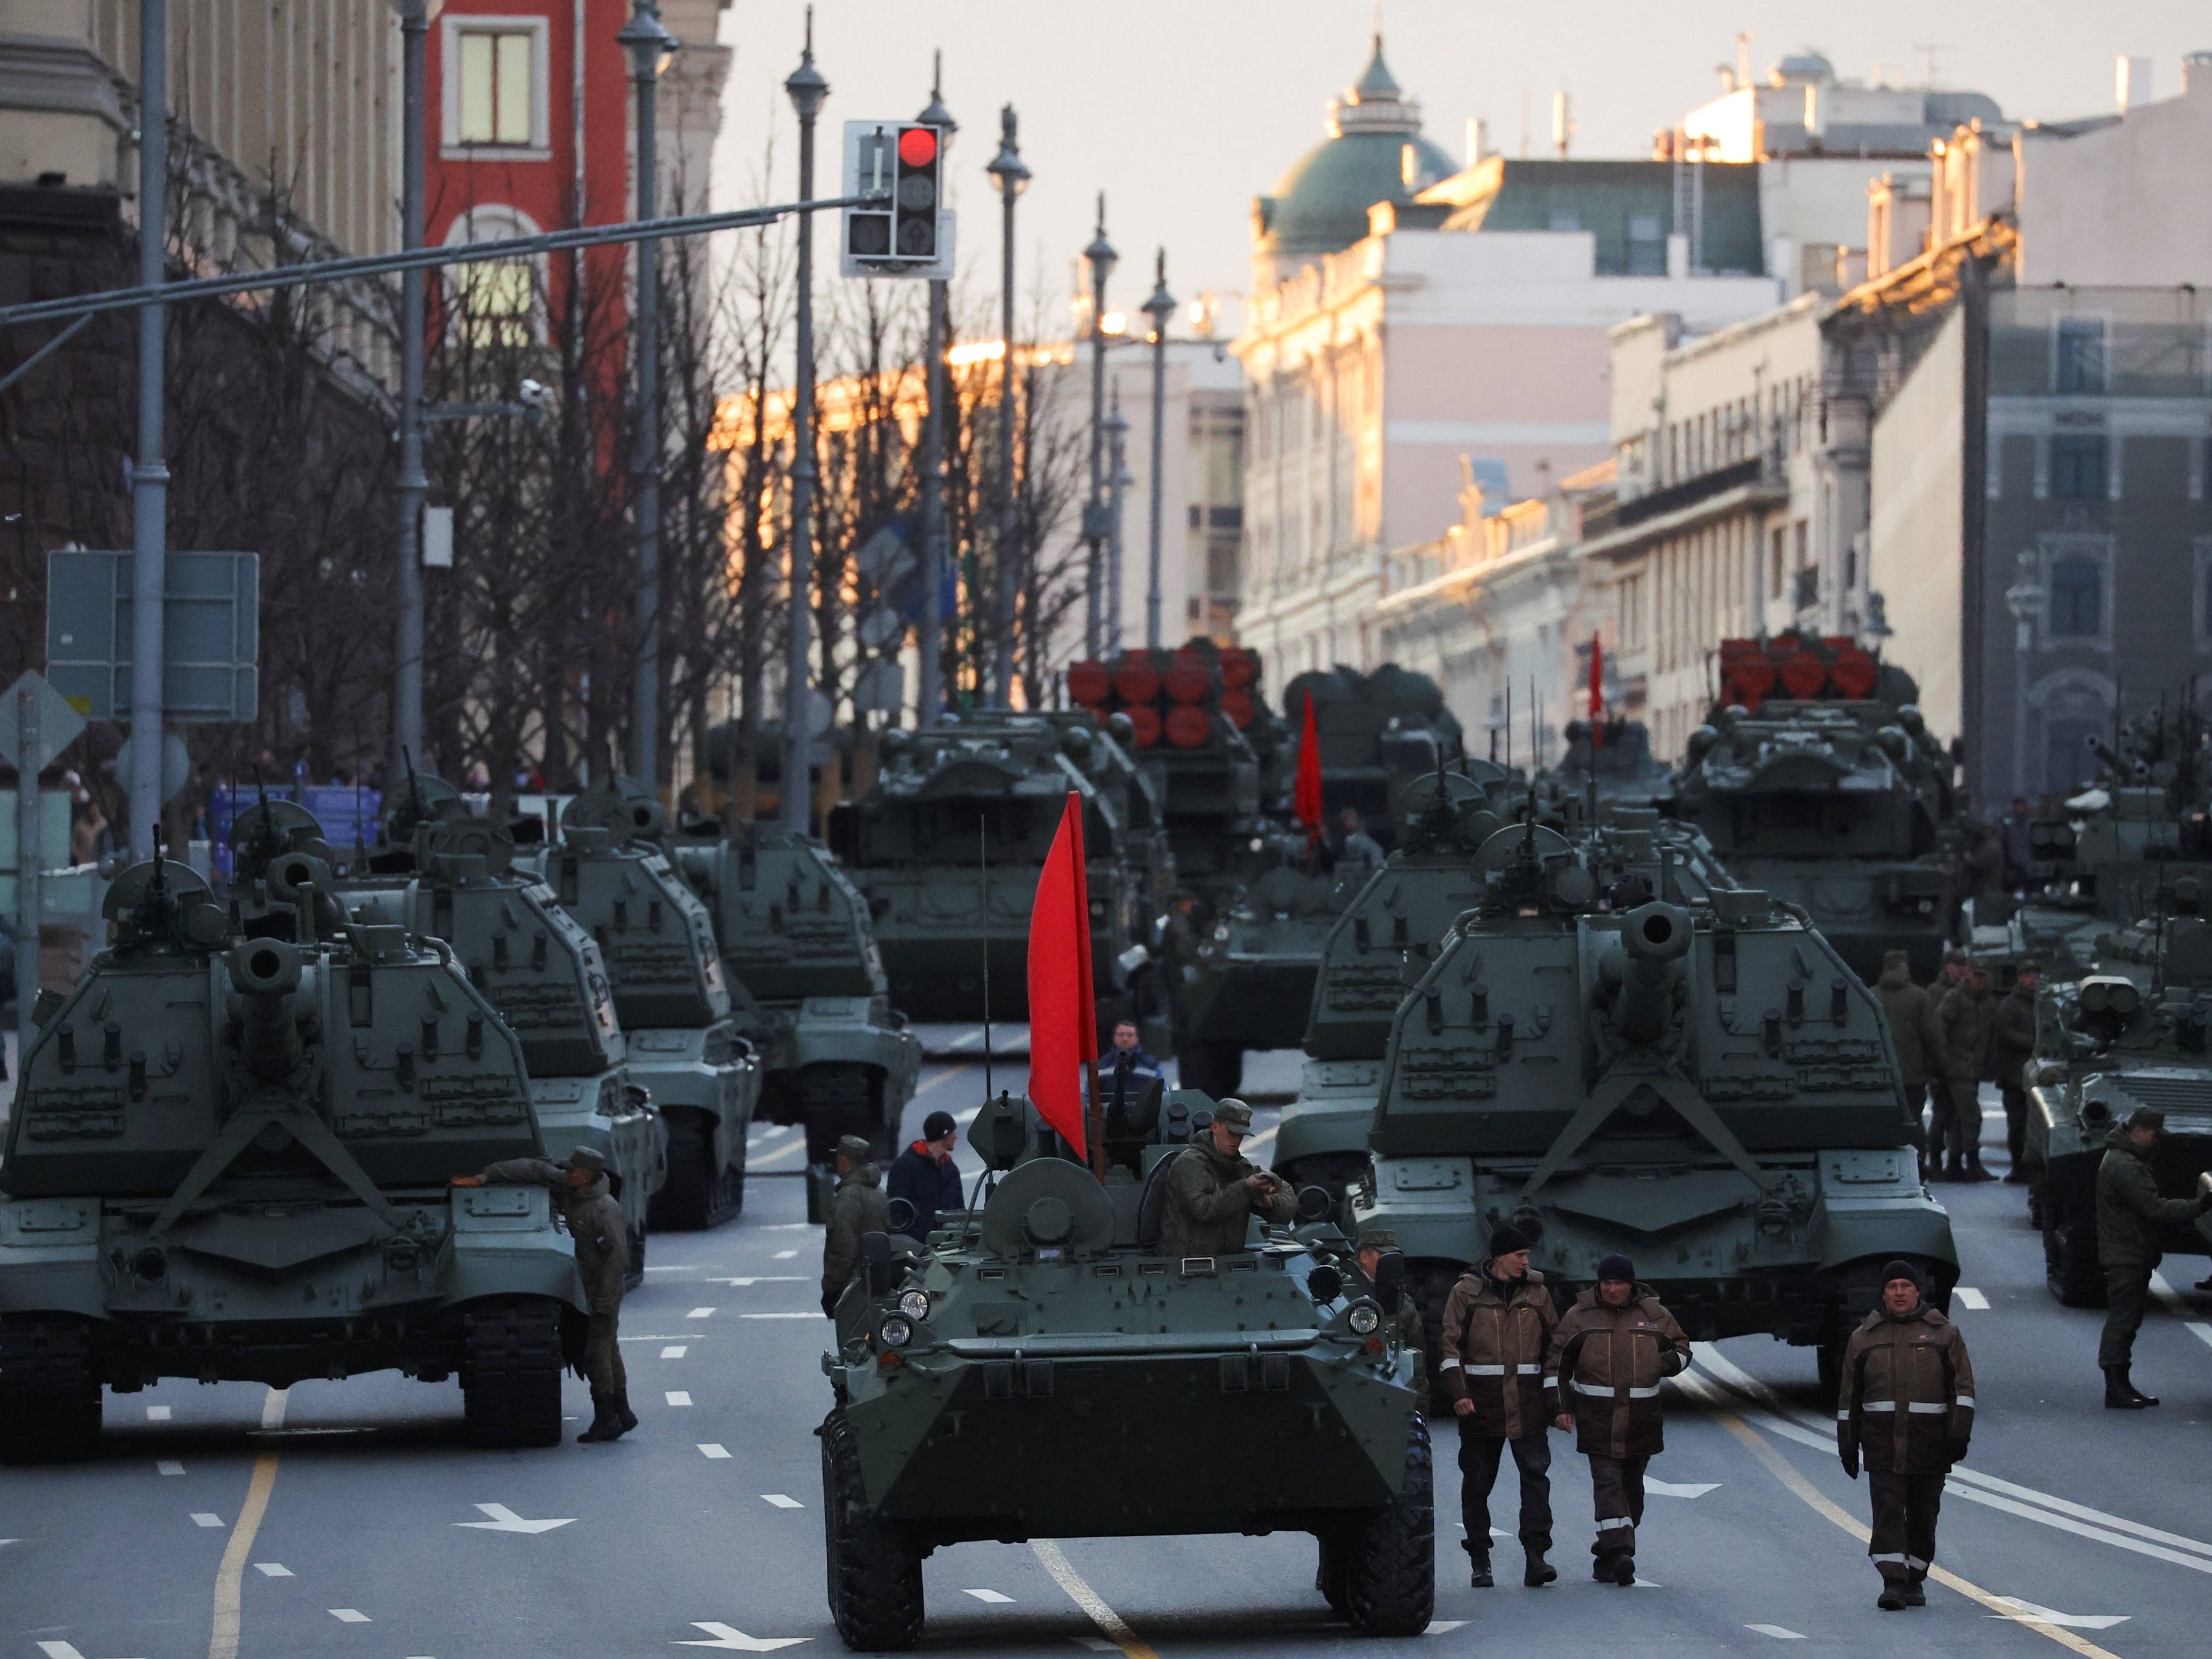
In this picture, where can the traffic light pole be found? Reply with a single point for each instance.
(414, 487)
(932, 517)
(646, 42)
(806, 90)
(149, 477)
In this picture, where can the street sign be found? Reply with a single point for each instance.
(176, 763)
(58, 724)
(212, 621)
(904, 230)
(886, 557)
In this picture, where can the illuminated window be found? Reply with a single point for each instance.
(494, 84)
(495, 303)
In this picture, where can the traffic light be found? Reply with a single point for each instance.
(916, 200)
(899, 227)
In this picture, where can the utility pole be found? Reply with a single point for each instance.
(806, 90)
(1117, 480)
(149, 477)
(413, 485)
(1160, 307)
(1012, 177)
(933, 449)
(650, 45)
(1102, 257)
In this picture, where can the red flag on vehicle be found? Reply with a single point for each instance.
(1063, 1009)
(1306, 801)
(1597, 694)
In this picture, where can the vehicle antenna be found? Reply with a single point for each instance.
(983, 893)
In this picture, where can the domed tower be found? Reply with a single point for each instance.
(1374, 153)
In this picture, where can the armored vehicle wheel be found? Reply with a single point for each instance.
(700, 1193)
(875, 1579)
(1328, 1575)
(1390, 1553)
(50, 1397)
(2070, 1266)
(511, 1375)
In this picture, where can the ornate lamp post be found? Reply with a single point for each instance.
(1160, 307)
(1012, 177)
(1118, 479)
(1095, 527)
(2026, 598)
(806, 90)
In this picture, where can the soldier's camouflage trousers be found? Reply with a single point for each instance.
(603, 1361)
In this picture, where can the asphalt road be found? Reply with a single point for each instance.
(348, 1518)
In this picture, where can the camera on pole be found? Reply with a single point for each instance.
(902, 229)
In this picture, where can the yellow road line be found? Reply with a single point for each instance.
(224, 1644)
(1789, 1475)
(1117, 1631)
(800, 1145)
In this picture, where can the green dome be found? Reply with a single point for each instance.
(1320, 205)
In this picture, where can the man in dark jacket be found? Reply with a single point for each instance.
(2130, 1213)
(586, 1203)
(1906, 1402)
(2012, 1045)
(857, 1208)
(1498, 1322)
(1213, 1189)
(1964, 1017)
(1602, 1377)
(1912, 1018)
(925, 1176)
(1952, 977)
(1124, 1070)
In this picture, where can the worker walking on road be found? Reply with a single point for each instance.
(2130, 1213)
(588, 1207)
(1498, 1322)
(1602, 1377)
(860, 1207)
(1906, 1406)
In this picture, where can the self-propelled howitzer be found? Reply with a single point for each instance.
(228, 1162)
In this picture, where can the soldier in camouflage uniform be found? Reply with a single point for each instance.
(1212, 1188)
(585, 1204)
(860, 1207)
(1373, 1241)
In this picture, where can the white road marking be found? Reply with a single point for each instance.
(2172, 1301)
(169, 1466)
(785, 1501)
(273, 1406)
(990, 1596)
(157, 1413)
(785, 1255)
(207, 1520)
(1096, 1643)
(781, 1316)
(1642, 1582)
(1775, 1631)
(1443, 1626)
(700, 1313)
(729, 1636)
(679, 1397)
(272, 1570)
(673, 1351)
(1968, 1297)
(666, 1336)
(1256, 1142)
(504, 1519)
(2066, 1620)
(756, 1278)
(59, 1650)
(1669, 1489)
(713, 1449)
(349, 1615)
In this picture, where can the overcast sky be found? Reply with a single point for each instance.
(1183, 109)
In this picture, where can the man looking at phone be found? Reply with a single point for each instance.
(1214, 1188)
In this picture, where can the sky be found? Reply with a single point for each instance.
(1182, 111)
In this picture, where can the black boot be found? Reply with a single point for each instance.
(1976, 1172)
(622, 1409)
(1624, 1570)
(1478, 1575)
(2130, 1398)
(1916, 1590)
(1539, 1571)
(606, 1424)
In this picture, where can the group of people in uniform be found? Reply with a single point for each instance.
(1952, 1036)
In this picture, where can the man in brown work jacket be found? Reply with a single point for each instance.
(1907, 1404)
(1608, 1356)
(1498, 1328)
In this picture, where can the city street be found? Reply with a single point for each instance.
(347, 1517)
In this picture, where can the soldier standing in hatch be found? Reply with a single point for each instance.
(1498, 1328)
(1602, 1377)
(593, 1217)
(2129, 1211)
(1213, 1189)
(1412, 1338)
(1907, 1403)
(860, 1207)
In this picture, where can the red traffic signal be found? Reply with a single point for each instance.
(917, 147)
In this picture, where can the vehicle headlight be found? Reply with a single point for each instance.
(1364, 1318)
(895, 1332)
(915, 1304)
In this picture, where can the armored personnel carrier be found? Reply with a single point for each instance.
(540, 971)
(1246, 920)
(807, 988)
(948, 844)
(1042, 1370)
(1705, 1087)
(228, 1162)
(1377, 733)
(663, 966)
(1816, 780)
(1611, 763)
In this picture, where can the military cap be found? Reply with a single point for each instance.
(2031, 966)
(1952, 953)
(1895, 959)
(854, 1147)
(1378, 1238)
(2146, 1117)
(1234, 1115)
(587, 1157)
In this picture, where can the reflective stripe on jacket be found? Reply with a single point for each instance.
(1606, 1365)
(1907, 1392)
(1494, 1344)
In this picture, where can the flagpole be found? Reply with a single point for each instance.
(1095, 1126)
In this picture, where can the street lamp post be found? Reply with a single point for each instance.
(2025, 598)
(149, 476)
(1160, 307)
(1118, 479)
(933, 444)
(649, 46)
(1102, 257)
(1012, 178)
(414, 486)
(806, 90)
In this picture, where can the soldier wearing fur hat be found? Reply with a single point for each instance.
(1906, 1404)
(1498, 1322)
(586, 1205)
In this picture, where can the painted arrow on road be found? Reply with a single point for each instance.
(2065, 1621)
(728, 1636)
(1669, 1489)
(504, 1519)
(58, 1649)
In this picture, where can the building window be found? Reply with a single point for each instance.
(2077, 466)
(495, 302)
(2078, 356)
(1647, 245)
(495, 86)
(2076, 598)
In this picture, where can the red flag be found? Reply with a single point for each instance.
(1597, 694)
(1063, 1009)
(1306, 801)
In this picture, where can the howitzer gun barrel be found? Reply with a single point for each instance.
(265, 974)
(1655, 935)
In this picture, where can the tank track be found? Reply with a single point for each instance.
(511, 1376)
(697, 1194)
(49, 1394)
(875, 1579)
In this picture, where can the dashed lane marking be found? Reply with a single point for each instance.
(665, 1336)
(713, 1449)
(272, 1570)
(59, 1650)
(679, 1397)
(1443, 1626)
(2172, 1301)
(783, 1315)
(747, 1283)
(729, 1636)
(1108, 1621)
(674, 1351)
(222, 1637)
(349, 1615)
(700, 1313)
(202, 1519)
(2029, 1612)
(785, 1255)
(786, 1501)
(990, 1596)
(169, 1466)
(1670, 1489)
(1967, 1297)
(1777, 1632)
(157, 1413)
